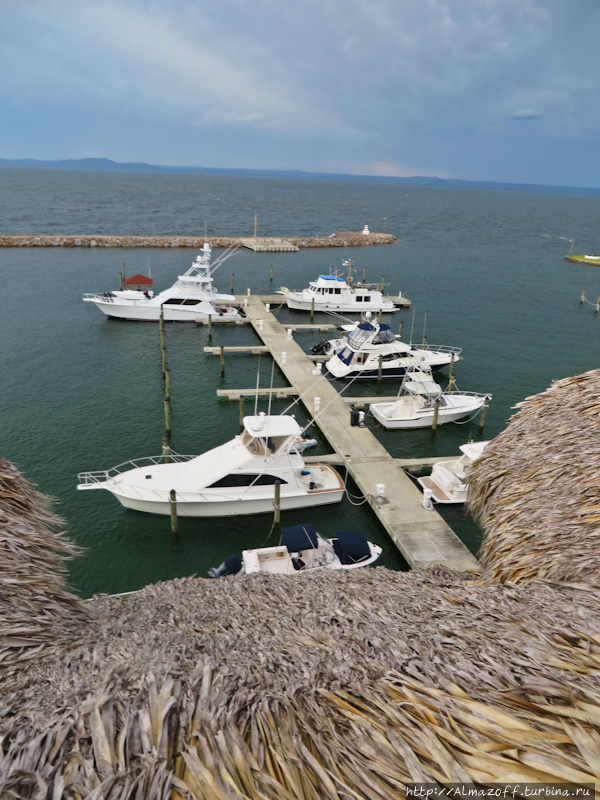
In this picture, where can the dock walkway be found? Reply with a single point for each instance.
(422, 536)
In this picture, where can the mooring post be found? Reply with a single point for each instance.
(312, 309)
(168, 384)
(364, 274)
(161, 319)
(380, 368)
(379, 317)
(451, 380)
(277, 505)
(122, 278)
(168, 416)
(382, 284)
(486, 405)
(271, 273)
(166, 451)
(173, 503)
(401, 328)
(597, 306)
(210, 327)
(163, 355)
(222, 362)
(241, 412)
(436, 411)
(232, 279)
(582, 301)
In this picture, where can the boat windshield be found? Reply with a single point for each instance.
(384, 336)
(263, 446)
(360, 335)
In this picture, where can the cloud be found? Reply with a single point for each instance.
(526, 113)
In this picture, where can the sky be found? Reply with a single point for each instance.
(503, 90)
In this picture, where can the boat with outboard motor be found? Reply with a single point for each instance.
(371, 347)
(448, 479)
(415, 406)
(236, 478)
(334, 293)
(191, 297)
(303, 550)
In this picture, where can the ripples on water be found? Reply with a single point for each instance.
(80, 392)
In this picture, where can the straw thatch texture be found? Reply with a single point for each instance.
(34, 601)
(536, 489)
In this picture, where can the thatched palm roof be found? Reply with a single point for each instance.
(536, 490)
(342, 686)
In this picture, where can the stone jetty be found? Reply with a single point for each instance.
(346, 239)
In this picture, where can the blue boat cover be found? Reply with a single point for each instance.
(233, 564)
(299, 537)
(351, 546)
(331, 278)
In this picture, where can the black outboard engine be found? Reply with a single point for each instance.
(320, 349)
(231, 566)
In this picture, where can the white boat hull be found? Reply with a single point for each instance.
(299, 303)
(389, 414)
(147, 312)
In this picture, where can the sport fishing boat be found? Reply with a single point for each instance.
(448, 479)
(303, 550)
(416, 403)
(236, 478)
(369, 342)
(191, 297)
(334, 293)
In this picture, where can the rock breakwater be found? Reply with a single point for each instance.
(346, 239)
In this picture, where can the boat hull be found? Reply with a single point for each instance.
(299, 304)
(390, 372)
(231, 507)
(150, 313)
(424, 419)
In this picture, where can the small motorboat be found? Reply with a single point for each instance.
(335, 293)
(192, 297)
(416, 403)
(448, 479)
(370, 344)
(238, 477)
(303, 550)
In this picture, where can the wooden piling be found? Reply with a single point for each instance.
(400, 329)
(163, 355)
(271, 273)
(380, 368)
(379, 317)
(312, 309)
(241, 412)
(173, 503)
(364, 275)
(166, 451)
(424, 343)
(382, 284)
(582, 301)
(210, 327)
(161, 319)
(168, 384)
(122, 278)
(436, 411)
(168, 415)
(232, 281)
(597, 306)
(277, 505)
(222, 354)
(486, 405)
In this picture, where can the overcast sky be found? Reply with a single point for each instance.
(501, 90)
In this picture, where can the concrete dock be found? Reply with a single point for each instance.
(422, 536)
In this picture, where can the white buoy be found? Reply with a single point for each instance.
(317, 402)
(427, 502)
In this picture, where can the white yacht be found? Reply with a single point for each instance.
(448, 479)
(236, 478)
(416, 401)
(369, 341)
(192, 297)
(334, 293)
(303, 550)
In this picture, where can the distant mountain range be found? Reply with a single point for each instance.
(106, 165)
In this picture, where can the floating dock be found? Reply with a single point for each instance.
(422, 536)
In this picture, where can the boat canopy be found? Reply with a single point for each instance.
(351, 546)
(332, 278)
(276, 425)
(299, 537)
(425, 386)
(138, 280)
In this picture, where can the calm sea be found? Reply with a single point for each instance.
(79, 392)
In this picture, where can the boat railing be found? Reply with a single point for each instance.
(100, 476)
(439, 348)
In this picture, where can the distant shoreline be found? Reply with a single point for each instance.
(106, 165)
(343, 239)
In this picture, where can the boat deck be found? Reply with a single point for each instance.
(422, 536)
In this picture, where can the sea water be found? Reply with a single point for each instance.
(81, 392)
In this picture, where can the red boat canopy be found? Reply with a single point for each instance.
(138, 280)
